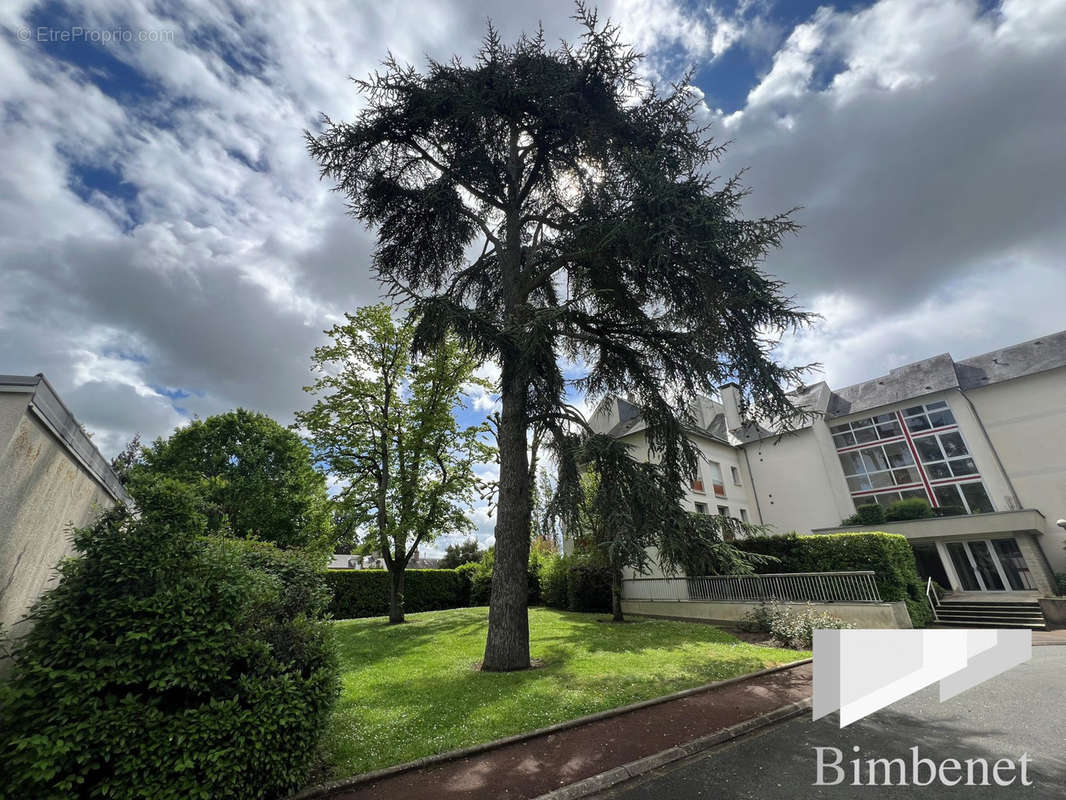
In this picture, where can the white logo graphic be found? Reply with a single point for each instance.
(859, 672)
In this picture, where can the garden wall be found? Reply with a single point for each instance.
(861, 615)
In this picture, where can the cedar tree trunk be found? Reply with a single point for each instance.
(507, 646)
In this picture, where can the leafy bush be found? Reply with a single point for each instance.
(588, 588)
(869, 514)
(887, 554)
(790, 625)
(553, 573)
(365, 592)
(911, 508)
(167, 665)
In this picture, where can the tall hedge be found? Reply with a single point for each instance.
(168, 666)
(889, 555)
(365, 592)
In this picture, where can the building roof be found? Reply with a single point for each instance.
(942, 372)
(47, 406)
(631, 421)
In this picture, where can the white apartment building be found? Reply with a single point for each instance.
(983, 439)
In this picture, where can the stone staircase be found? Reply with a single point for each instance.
(962, 614)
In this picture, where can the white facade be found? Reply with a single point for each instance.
(983, 440)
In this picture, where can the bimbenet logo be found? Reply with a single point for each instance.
(859, 672)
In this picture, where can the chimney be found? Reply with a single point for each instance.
(730, 393)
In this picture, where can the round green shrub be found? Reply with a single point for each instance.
(166, 665)
(868, 514)
(911, 508)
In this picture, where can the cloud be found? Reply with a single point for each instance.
(167, 249)
(923, 142)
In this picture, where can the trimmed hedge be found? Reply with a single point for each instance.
(365, 592)
(889, 555)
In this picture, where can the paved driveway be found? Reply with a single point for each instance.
(1021, 711)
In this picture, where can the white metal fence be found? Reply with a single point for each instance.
(815, 587)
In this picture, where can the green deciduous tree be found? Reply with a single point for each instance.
(385, 426)
(547, 206)
(455, 555)
(253, 478)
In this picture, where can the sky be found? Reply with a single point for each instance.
(168, 250)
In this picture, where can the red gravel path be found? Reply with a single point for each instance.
(536, 766)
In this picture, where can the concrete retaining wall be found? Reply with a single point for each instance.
(861, 615)
(43, 493)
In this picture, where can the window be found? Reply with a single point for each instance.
(931, 415)
(723, 511)
(743, 516)
(736, 475)
(717, 481)
(944, 455)
(863, 431)
(701, 508)
(879, 467)
(970, 496)
(697, 481)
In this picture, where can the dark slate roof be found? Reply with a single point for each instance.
(942, 372)
(50, 409)
(903, 383)
(632, 422)
(1016, 361)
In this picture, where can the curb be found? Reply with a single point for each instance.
(642, 766)
(325, 789)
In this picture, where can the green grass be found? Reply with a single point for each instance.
(412, 690)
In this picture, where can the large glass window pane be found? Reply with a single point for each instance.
(907, 493)
(910, 412)
(948, 495)
(851, 462)
(863, 435)
(859, 483)
(939, 419)
(885, 418)
(928, 449)
(953, 445)
(899, 455)
(937, 404)
(1013, 563)
(976, 498)
(840, 428)
(961, 561)
(963, 466)
(874, 459)
(843, 440)
(881, 480)
(887, 430)
(936, 471)
(915, 424)
(905, 476)
(886, 499)
(986, 566)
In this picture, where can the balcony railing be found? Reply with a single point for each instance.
(815, 587)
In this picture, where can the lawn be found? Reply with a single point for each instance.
(412, 690)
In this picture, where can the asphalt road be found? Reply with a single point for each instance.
(1021, 711)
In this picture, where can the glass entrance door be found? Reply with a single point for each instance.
(984, 565)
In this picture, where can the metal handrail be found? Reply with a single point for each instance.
(932, 598)
(857, 586)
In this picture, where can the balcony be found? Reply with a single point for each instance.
(970, 525)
